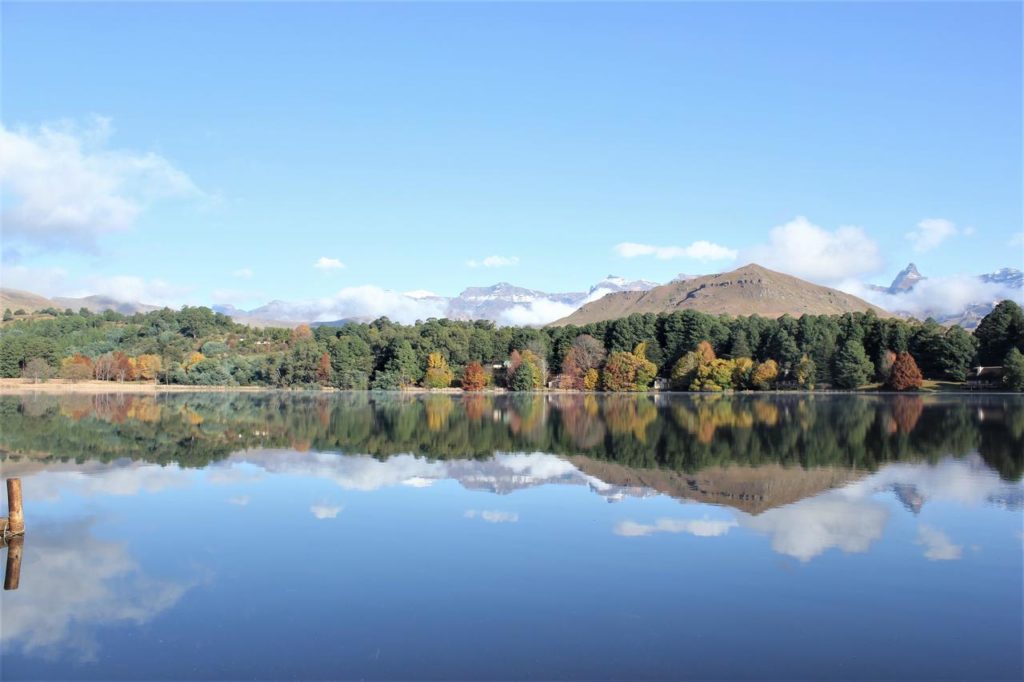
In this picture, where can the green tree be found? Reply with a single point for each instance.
(956, 352)
(852, 366)
(524, 378)
(1013, 370)
(998, 332)
(351, 362)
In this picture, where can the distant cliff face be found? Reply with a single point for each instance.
(749, 290)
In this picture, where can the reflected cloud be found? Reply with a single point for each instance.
(53, 481)
(806, 529)
(324, 511)
(492, 515)
(854, 516)
(704, 528)
(72, 584)
(938, 546)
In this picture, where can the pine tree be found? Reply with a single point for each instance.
(852, 366)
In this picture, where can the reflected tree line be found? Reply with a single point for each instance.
(682, 433)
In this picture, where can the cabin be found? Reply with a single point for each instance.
(661, 384)
(984, 378)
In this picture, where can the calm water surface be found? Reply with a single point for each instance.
(269, 536)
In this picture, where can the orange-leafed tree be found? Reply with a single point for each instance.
(78, 367)
(148, 366)
(474, 378)
(905, 375)
(302, 332)
(323, 369)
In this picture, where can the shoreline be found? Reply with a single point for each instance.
(60, 386)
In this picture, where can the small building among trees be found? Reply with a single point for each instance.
(984, 378)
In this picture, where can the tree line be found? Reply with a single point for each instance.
(685, 350)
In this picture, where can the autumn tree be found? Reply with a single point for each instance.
(764, 375)
(438, 374)
(77, 367)
(303, 331)
(716, 375)
(626, 371)
(474, 378)
(323, 369)
(905, 374)
(148, 366)
(585, 354)
(685, 370)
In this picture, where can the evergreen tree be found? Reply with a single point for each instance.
(1013, 370)
(852, 366)
(999, 331)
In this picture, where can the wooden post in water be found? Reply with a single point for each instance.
(15, 518)
(12, 576)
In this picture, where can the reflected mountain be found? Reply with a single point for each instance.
(753, 453)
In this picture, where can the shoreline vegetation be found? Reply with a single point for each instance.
(22, 386)
(197, 349)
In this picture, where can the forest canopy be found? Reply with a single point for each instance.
(685, 350)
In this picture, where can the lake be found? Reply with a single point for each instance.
(389, 536)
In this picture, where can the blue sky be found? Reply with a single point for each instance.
(217, 152)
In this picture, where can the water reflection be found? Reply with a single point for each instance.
(679, 433)
(399, 505)
(74, 581)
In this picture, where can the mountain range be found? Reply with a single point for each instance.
(751, 289)
(914, 294)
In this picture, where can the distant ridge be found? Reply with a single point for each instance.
(749, 290)
(15, 299)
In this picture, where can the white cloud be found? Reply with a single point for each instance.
(324, 511)
(73, 584)
(45, 281)
(806, 250)
(935, 296)
(698, 250)
(420, 293)
(363, 302)
(492, 515)
(704, 528)
(1016, 239)
(65, 187)
(137, 289)
(240, 500)
(242, 273)
(325, 263)
(494, 262)
(938, 546)
(931, 232)
(534, 313)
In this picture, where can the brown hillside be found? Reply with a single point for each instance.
(23, 300)
(750, 290)
(749, 489)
